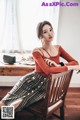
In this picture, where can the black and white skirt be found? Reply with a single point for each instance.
(30, 88)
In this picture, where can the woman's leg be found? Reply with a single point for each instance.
(16, 90)
(26, 91)
(16, 103)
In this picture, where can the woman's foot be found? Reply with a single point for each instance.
(1, 104)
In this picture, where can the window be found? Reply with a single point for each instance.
(18, 21)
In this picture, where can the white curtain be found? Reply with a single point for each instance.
(19, 19)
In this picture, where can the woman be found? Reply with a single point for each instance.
(31, 87)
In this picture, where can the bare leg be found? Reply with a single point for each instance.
(1, 104)
(16, 103)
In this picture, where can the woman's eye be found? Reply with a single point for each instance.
(44, 32)
(51, 29)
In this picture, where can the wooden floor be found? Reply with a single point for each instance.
(72, 105)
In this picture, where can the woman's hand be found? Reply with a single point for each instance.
(75, 67)
(78, 71)
(51, 63)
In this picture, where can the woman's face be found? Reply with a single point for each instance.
(48, 33)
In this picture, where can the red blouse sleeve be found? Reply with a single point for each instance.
(66, 56)
(46, 69)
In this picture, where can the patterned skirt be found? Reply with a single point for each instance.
(30, 88)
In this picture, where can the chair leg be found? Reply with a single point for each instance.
(62, 113)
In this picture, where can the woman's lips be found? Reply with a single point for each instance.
(50, 37)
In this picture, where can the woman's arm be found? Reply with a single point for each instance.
(46, 69)
(72, 63)
(66, 56)
(74, 67)
(51, 63)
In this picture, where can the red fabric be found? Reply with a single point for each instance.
(42, 67)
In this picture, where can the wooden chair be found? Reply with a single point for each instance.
(55, 97)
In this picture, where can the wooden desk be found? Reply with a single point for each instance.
(15, 70)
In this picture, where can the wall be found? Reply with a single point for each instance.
(9, 80)
(69, 34)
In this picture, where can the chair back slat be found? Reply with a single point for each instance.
(57, 87)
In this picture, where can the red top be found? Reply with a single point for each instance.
(42, 67)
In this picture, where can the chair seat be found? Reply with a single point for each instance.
(55, 106)
(39, 106)
(36, 107)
